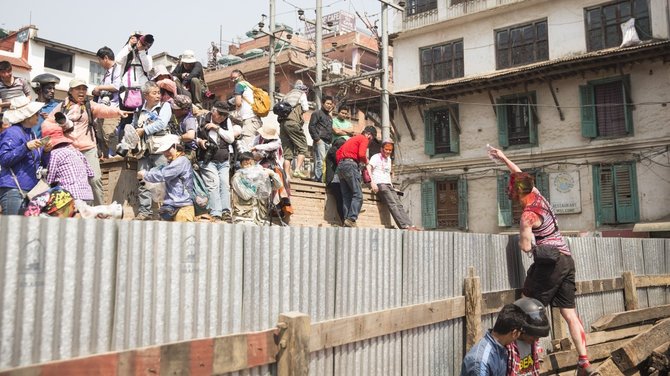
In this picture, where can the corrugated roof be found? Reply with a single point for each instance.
(16, 62)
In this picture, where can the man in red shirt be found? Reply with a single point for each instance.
(351, 157)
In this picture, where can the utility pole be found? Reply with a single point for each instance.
(319, 47)
(386, 127)
(273, 56)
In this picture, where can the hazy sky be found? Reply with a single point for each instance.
(191, 25)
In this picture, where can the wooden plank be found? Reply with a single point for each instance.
(609, 368)
(559, 327)
(493, 302)
(338, 332)
(566, 359)
(595, 338)
(635, 351)
(404, 116)
(293, 357)
(599, 285)
(652, 281)
(615, 320)
(473, 309)
(629, 291)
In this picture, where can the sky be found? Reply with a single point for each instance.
(193, 25)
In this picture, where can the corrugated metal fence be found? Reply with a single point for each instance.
(76, 287)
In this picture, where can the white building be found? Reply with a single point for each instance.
(547, 82)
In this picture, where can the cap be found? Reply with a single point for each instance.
(77, 82)
(181, 102)
(167, 142)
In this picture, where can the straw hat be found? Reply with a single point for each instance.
(20, 109)
(269, 132)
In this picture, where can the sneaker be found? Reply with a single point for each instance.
(299, 175)
(349, 223)
(226, 217)
(587, 371)
(143, 217)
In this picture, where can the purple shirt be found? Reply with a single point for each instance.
(71, 170)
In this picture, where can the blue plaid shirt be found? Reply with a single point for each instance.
(486, 358)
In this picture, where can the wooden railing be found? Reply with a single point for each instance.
(295, 337)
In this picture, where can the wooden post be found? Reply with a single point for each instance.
(558, 326)
(630, 291)
(473, 309)
(293, 357)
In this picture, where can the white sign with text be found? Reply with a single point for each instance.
(565, 192)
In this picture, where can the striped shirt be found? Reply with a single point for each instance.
(71, 170)
(19, 87)
(486, 358)
(547, 232)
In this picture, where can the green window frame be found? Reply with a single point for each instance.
(507, 209)
(606, 108)
(615, 195)
(517, 120)
(429, 203)
(441, 134)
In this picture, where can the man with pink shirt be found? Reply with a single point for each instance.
(76, 115)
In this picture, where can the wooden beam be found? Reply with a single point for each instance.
(395, 129)
(567, 359)
(615, 320)
(629, 291)
(337, 332)
(559, 327)
(637, 350)
(609, 368)
(599, 285)
(652, 281)
(293, 357)
(553, 95)
(492, 302)
(420, 108)
(452, 115)
(404, 116)
(493, 103)
(473, 309)
(595, 338)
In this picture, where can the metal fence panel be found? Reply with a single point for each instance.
(369, 278)
(56, 288)
(633, 260)
(654, 260)
(177, 281)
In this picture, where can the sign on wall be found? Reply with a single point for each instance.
(565, 192)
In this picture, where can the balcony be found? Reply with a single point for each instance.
(451, 9)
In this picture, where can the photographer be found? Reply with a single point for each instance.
(107, 93)
(189, 77)
(216, 148)
(135, 63)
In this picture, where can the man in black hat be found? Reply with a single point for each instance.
(45, 87)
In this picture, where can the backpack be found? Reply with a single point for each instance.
(261, 104)
(282, 109)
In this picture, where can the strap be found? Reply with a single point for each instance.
(23, 193)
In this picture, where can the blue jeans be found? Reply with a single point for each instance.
(144, 195)
(350, 185)
(11, 201)
(320, 150)
(217, 179)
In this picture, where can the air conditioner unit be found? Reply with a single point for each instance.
(336, 67)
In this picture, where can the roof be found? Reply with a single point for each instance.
(545, 70)
(292, 57)
(16, 62)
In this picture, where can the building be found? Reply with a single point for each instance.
(549, 83)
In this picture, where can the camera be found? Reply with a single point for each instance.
(105, 97)
(129, 141)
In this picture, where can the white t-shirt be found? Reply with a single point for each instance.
(247, 98)
(381, 169)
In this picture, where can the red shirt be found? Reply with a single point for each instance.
(355, 148)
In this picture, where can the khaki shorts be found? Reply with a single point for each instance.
(293, 140)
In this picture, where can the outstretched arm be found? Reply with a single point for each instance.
(499, 155)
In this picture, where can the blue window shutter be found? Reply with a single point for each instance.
(628, 109)
(428, 210)
(501, 114)
(587, 102)
(542, 183)
(428, 133)
(532, 127)
(504, 203)
(462, 203)
(454, 136)
(625, 183)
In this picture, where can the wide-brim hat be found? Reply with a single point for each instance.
(159, 70)
(269, 132)
(20, 109)
(188, 56)
(56, 134)
(167, 142)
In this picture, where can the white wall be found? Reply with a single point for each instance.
(81, 66)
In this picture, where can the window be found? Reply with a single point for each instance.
(96, 73)
(420, 6)
(606, 109)
(603, 22)
(55, 59)
(615, 194)
(517, 120)
(442, 62)
(441, 131)
(521, 45)
(509, 212)
(444, 203)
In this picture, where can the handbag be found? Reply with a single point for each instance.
(133, 98)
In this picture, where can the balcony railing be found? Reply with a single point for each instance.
(446, 11)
